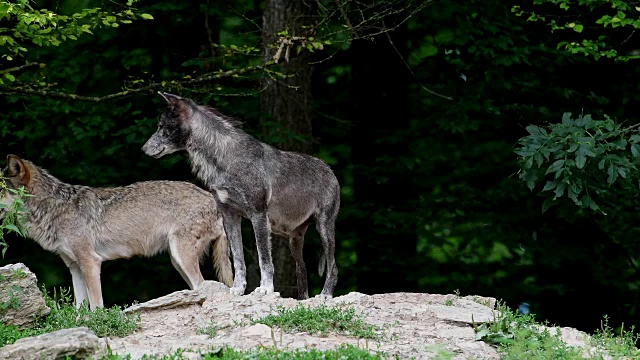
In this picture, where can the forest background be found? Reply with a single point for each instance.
(445, 122)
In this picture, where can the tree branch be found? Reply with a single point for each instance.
(414, 74)
(10, 70)
(145, 89)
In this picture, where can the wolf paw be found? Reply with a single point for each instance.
(324, 297)
(263, 290)
(236, 291)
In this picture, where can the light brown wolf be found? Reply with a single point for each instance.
(86, 226)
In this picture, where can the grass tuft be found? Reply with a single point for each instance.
(344, 352)
(103, 322)
(211, 329)
(520, 337)
(321, 320)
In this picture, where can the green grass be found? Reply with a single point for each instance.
(211, 329)
(619, 343)
(104, 321)
(520, 337)
(321, 320)
(344, 352)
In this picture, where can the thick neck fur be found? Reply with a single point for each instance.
(213, 141)
(50, 198)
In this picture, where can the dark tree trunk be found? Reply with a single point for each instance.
(285, 108)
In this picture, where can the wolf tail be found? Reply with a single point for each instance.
(322, 264)
(221, 261)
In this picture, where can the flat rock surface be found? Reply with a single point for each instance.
(77, 343)
(412, 325)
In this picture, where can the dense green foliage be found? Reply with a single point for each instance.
(10, 213)
(425, 126)
(582, 158)
(596, 28)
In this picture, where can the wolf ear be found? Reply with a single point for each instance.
(17, 168)
(179, 105)
(170, 98)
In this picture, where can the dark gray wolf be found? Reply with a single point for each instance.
(278, 191)
(87, 226)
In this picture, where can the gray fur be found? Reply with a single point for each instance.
(86, 226)
(278, 191)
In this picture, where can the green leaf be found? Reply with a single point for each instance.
(530, 176)
(529, 163)
(481, 334)
(146, 16)
(539, 159)
(613, 174)
(536, 130)
(549, 186)
(545, 152)
(578, 28)
(13, 228)
(622, 172)
(573, 147)
(586, 200)
(635, 152)
(586, 149)
(560, 189)
(581, 161)
(574, 191)
(601, 164)
(557, 165)
(10, 77)
(525, 151)
(548, 203)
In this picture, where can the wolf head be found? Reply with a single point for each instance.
(16, 174)
(173, 127)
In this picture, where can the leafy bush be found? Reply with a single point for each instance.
(579, 159)
(10, 213)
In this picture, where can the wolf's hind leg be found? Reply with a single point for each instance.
(185, 258)
(296, 243)
(326, 228)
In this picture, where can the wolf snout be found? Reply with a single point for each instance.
(155, 152)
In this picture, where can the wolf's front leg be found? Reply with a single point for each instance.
(231, 222)
(262, 230)
(79, 285)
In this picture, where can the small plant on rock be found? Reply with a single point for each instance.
(321, 319)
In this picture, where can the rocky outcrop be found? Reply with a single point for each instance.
(76, 343)
(21, 302)
(411, 325)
